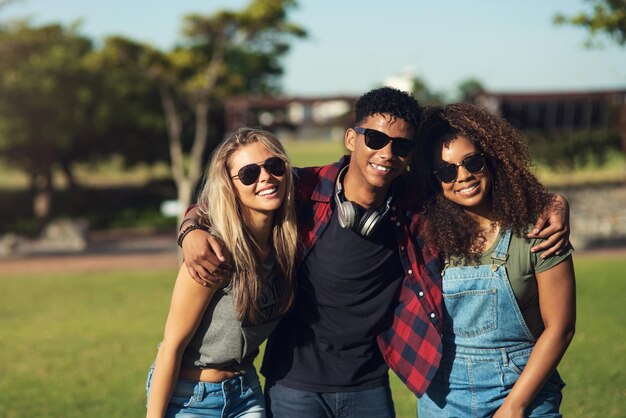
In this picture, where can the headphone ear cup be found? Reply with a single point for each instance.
(346, 212)
(347, 215)
(368, 223)
(352, 216)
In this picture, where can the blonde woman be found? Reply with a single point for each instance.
(212, 335)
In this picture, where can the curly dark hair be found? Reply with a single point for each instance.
(388, 100)
(516, 196)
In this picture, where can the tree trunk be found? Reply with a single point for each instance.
(174, 132)
(184, 195)
(187, 180)
(69, 176)
(42, 199)
(199, 143)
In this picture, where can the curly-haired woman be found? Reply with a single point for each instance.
(509, 314)
(204, 363)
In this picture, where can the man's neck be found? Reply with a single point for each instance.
(363, 194)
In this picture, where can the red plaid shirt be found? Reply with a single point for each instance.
(412, 346)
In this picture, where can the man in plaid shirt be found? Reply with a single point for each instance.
(368, 296)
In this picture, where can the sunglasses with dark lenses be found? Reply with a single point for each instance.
(250, 173)
(447, 173)
(374, 139)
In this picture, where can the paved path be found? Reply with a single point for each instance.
(136, 251)
(107, 251)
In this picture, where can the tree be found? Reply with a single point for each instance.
(58, 108)
(46, 102)
(130, 110)
(226, 53)
(423, 93)
(469, 89)
(606, 17)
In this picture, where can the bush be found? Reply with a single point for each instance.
(573, 149)
(103, 208)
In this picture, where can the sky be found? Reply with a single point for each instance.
(356, 45)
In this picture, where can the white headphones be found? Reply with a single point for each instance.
(352, 216)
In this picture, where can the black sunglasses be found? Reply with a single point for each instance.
(374, 139)
(447, 173)
(250, 173)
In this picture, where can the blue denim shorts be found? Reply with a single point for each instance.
(238, 397)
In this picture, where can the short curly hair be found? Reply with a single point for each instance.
(391, 101)
(517, 197)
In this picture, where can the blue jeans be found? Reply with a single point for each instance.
(238, 397)
(284, 402)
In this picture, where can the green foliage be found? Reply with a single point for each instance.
(425, 95)
(130, 111)
(102, 208)
(233, 51)
(465, 91)
(469, 88)
(606, 17)
(226, 53)
(64, 101)
(94, 335)
(59, 107)
(567, 150)
(46, 99)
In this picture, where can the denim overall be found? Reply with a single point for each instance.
(486, 345)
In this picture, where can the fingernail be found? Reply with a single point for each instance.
(535, 231)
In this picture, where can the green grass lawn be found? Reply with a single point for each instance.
(312, 153)
(80, 345)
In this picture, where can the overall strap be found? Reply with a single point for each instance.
(501, 253)
(446, 264)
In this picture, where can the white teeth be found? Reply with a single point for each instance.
(267, 191)
(468, 189)
(380, 168)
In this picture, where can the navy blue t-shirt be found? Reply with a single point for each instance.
(345, 290)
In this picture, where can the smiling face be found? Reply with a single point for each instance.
(371, 171)
(265, 195)
(471, 191)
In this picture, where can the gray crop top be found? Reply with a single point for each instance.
(223, 341)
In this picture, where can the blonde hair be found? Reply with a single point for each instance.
(220, 209)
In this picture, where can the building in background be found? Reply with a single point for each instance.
(328, 117)
(292, 117)
(560, 112)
